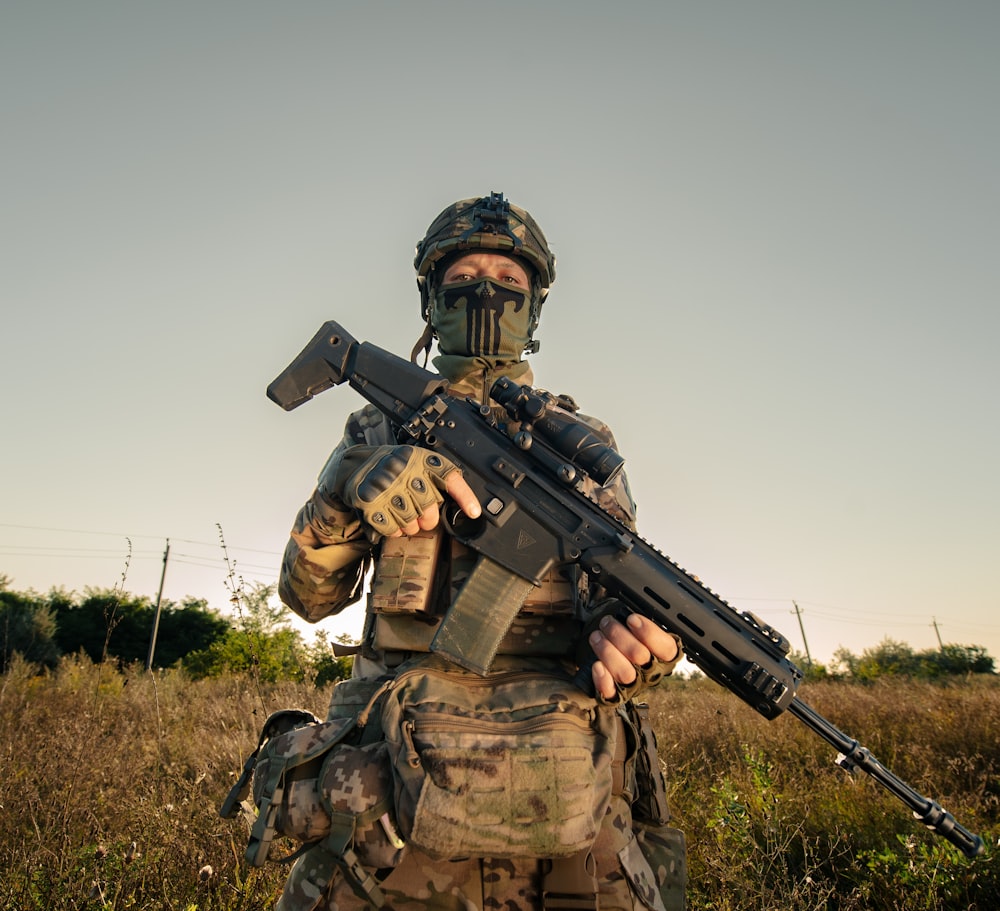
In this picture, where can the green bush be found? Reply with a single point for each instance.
(897, 659)
(27, 628)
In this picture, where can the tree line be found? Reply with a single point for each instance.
(106, 624)
(891, 658)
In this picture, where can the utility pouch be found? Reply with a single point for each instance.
(517, 763)
(650, 802)
(315, 783)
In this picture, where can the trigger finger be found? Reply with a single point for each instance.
(459, 490)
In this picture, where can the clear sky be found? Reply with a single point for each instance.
(777, 234)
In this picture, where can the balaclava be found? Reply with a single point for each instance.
(482, 318)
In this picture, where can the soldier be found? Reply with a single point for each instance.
(483, 270)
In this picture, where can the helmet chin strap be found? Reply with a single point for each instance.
(423, 343)
(426, 286)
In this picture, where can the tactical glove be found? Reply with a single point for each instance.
(647, 675)
(394, 485)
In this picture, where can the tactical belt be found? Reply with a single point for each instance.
(570, 883)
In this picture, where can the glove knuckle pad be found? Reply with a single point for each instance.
(379, 479)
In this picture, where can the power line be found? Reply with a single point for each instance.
(877, 621)
(74, 531)
(846, 616)
(24, 550)
(77, 531)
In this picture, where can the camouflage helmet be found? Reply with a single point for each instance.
(489, 223)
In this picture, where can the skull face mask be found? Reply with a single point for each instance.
(482, 318)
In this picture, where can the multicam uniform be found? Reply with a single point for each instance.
(415, 579)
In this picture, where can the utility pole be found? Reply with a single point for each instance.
(156, 616)
(937, 632)
(802, 628)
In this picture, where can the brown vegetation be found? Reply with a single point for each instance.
(111, 784)
(773, 823)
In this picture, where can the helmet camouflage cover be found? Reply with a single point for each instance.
(490, 224)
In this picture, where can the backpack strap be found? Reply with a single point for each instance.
(336, 853)
(263, 828)
(338, 845)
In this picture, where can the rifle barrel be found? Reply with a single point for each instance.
(852, 755)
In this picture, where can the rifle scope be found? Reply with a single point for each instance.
(568, 436)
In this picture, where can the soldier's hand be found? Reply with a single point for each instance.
(623, 648)
(398, 490)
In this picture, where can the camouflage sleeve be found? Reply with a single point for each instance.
(616, 500)
(325, 560)
(328, 554)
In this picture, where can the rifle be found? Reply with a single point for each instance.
(535, 517)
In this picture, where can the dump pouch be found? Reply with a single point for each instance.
(517, 763)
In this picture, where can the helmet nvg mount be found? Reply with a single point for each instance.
(488, 224)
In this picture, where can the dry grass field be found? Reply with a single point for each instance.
(110, 784)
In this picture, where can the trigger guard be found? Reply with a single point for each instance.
(459, 525)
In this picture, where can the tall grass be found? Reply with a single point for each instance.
(773, 823)
(110, 783)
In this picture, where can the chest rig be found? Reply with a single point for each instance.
(416, 578)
